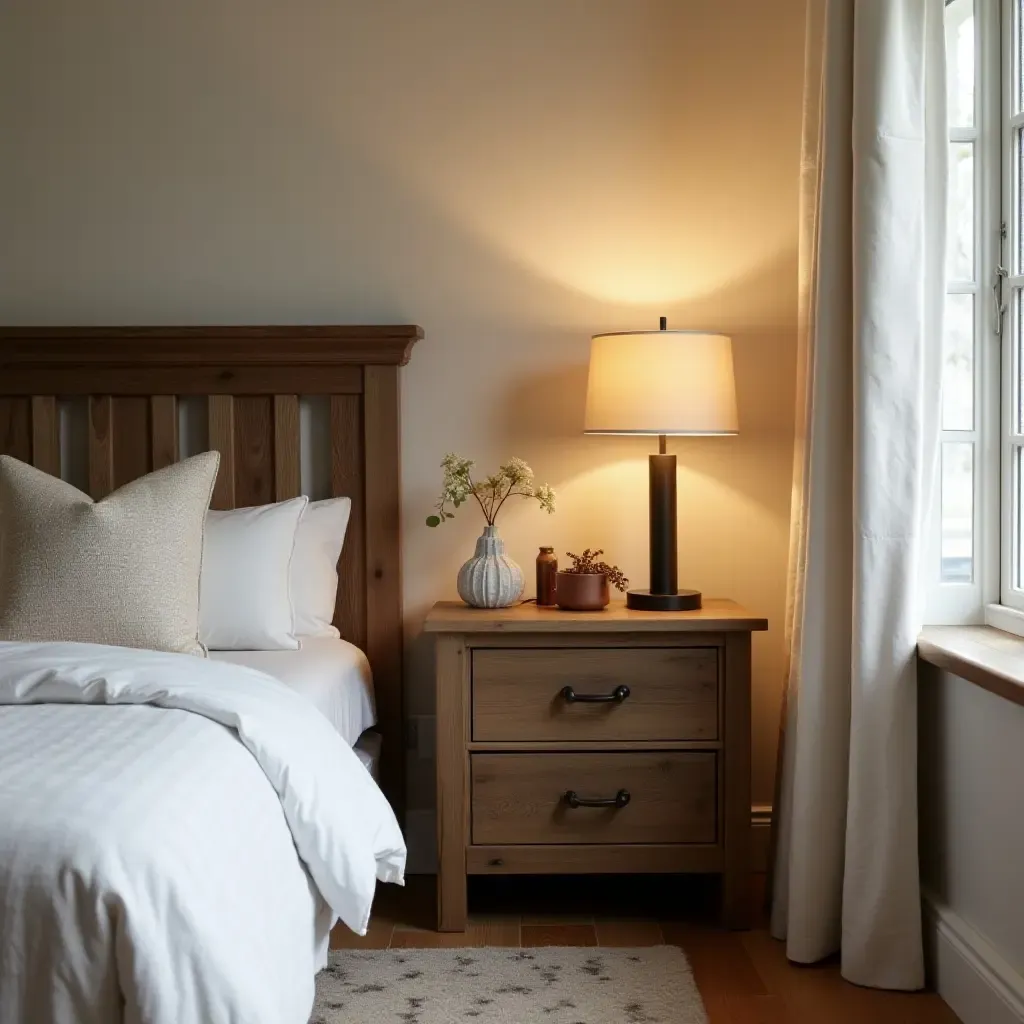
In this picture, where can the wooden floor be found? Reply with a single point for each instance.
(744, 977)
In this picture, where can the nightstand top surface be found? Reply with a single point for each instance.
(718, 614)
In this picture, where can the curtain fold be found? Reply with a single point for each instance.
(873, 189)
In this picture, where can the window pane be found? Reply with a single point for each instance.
(1015, 322)
(1016, 171)
(960, 251)
(958, 364)
(957, 512)
(1018, 85)
(960, 62)
(1017, 489)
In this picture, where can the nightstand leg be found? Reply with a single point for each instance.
(736, 877)
(452, 909)
(452, 782)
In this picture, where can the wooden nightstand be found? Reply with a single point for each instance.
(592, 742)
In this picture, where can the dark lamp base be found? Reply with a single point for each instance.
(644, 600)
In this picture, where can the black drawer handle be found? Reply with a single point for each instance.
(573, 799)
(617, 696)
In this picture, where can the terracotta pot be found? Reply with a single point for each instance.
(582, 592)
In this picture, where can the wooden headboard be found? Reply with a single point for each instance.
(251, 379)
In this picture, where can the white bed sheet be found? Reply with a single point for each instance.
(333, 674)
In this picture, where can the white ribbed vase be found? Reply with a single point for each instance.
(490, 579)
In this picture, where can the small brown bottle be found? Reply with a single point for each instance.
(547, 569)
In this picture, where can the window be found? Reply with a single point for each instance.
(965, 550)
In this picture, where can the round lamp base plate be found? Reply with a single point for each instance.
(683, 601)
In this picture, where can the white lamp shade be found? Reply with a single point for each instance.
(661, 382)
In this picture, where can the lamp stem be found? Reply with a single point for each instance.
(662, 444)
(663, 523)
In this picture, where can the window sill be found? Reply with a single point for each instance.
(991, 658)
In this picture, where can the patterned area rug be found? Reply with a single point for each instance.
(552, 984)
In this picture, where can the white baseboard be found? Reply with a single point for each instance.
(968, 972)
(760, 837)
(421, 839)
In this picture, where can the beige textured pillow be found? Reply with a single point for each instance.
(122, 571)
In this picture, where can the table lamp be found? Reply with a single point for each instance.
(661, 382)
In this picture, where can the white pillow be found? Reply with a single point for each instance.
(314, 574)
(244, 594)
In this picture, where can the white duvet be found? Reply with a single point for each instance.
(176, 838)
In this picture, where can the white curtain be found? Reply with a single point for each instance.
(871, 272)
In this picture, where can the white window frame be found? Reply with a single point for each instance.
(964, 602)
(1006, 609)
(1010, 595)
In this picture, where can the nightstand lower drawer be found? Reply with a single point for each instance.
(649, 797)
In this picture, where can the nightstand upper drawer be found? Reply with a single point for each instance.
(642, 693)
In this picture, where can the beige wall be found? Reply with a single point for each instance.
(511, 174)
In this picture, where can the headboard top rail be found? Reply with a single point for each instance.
(139, 347)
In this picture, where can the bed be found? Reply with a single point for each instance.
(234, 923)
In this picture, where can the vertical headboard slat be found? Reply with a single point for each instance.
(164, 436)
(16, 427)
(221, 413)
(131, 432)
(45, 434)
(287, 443)
(254, 450)
(101, 446)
